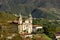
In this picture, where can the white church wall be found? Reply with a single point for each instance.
(29, 30)
(39, 27)
(27, 25)
(27, 21)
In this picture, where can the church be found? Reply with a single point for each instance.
(26, 26)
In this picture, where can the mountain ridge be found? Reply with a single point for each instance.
(28, 6)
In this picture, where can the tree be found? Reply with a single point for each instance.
(39, 31)
(37, 22)
(49, 28)
(34, 38)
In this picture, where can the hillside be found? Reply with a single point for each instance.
(5, 17)
(36, 7)
(49, 13)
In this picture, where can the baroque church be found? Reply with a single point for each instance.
(26, 26)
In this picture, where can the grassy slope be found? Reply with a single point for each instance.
(5, 16)
(45, 37)
(58, 27)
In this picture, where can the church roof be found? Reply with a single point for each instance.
(37, 26)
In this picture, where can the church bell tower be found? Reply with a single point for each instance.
(30, 23)
(30, 18)
(20, 29)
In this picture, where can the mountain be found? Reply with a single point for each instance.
(32, 6)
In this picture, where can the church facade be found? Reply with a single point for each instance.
(26, 26)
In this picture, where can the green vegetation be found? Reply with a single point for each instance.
(49, 28)
(5, 17)
(17, 37)
(37, 22)
(45, 37)
(39, 9)
(5, 26)
(58, 27)
(28, 6)
(39, 31)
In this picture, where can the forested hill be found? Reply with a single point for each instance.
(36, 7)
(39, 3)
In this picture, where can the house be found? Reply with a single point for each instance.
(58, 35)
(36, 27)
